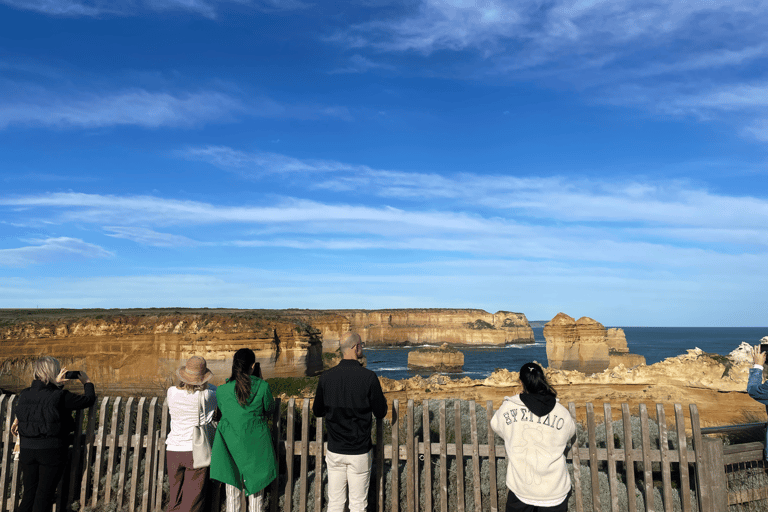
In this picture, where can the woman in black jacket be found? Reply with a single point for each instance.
(44, 424)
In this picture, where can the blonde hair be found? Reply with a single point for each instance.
(191, 388)
(47, 369)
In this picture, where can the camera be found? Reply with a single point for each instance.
(764, 348)
(72, 375)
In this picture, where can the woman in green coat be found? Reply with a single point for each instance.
(242, 455)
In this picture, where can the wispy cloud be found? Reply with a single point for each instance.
(94, 8)
(677, 52)
(146, 236)
(50, 250)
(530, 197)
(132, 107)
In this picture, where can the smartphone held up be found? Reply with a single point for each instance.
(73, 374)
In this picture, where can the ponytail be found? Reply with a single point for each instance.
(534, 381)
(242, 364)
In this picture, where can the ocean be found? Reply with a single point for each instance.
(655, 343)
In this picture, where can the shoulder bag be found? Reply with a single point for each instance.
(201, 445)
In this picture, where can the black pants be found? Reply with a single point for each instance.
(41, 471)
(515, 505)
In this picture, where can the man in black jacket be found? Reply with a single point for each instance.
(346, 396)
(44, 424)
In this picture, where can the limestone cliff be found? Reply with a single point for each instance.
(138, 352)
(442, 359)
(585, 345)
(428, 326)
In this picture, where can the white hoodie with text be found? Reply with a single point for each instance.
(535, 446)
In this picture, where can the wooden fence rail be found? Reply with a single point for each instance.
(433, 459)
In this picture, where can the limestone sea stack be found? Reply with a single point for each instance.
(442, 359)
(586, 346)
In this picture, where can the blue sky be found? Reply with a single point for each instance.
(604, 159)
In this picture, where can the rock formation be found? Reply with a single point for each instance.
(441, 359)
(140, 352)
(586, 346)
(428, 326)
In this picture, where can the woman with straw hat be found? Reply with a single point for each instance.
(191, 402)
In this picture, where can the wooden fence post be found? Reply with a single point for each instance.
(714, 475)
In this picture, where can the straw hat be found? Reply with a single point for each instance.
(195, 372)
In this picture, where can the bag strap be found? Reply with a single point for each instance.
(200, 408)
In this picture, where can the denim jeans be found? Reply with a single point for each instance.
(353, 471)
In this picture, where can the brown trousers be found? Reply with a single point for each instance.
(187, 485)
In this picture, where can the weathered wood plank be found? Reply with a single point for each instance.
(411, 462)
(395, 474)
(475, 455)
(137, 452)
(125, 449)
(319, 465)
(276, 426)
(494, 494)
(443, 460)
(289, 435)
(426, 437)
(591, 439)
(149, 457)
(380, 463)
(99, 443)
(459, 457)
(629, 459)
(112, 438)
(613, 483)
(682, 453)
(578, 496)
(645, 442)
(704, 494)
(713, 458)
(666, 472)
(304, 456)
(162, 435)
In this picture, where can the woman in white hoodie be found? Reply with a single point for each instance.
(537, 431)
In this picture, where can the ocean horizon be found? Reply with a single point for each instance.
(654, 343)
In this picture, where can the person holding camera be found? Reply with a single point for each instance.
(44, 425)
(756, 388)
(242, 455)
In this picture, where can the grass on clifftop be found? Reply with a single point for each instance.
(293, 386)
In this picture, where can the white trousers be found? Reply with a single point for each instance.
(348, 471)
(234, 497)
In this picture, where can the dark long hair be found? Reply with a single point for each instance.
(534, 381)
(242, 362)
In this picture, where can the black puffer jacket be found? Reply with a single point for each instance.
(45, 414)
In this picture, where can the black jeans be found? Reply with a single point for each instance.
(515, 505)
(41, 470)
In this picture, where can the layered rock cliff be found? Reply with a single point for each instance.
(586, 346)
(428, 326)
(442, 359)
(140, 352)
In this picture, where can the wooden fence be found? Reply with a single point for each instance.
(118, 458)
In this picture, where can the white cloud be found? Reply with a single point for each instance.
(50, 249)
(95, 8)
(146, 236)
(532, 197)
(132, 107)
